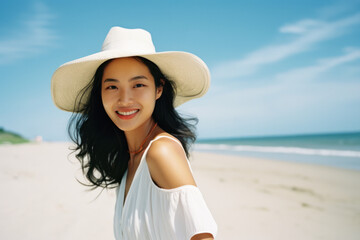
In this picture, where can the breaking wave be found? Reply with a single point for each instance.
(278, 149)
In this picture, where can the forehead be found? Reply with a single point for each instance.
(125, 68)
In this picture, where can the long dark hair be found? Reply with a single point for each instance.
(101, 147)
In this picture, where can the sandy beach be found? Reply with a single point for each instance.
(249, 198)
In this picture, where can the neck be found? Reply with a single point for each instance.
(136, 137)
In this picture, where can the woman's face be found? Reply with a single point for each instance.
(128, 93)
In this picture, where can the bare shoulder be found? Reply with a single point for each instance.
(167, 163)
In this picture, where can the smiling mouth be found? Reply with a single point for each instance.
(127, 113)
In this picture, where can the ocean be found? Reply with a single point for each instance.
(336, 149)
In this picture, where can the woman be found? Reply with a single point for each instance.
(129, 135)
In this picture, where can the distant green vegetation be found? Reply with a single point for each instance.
(9, 137)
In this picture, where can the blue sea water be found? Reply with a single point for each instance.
(336, 149)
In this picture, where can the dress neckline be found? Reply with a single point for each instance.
(124, 199)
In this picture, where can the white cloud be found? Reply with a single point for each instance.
(281, 108)
(310, 72)
(309, 32)
(302, 26)
(285, 103)
(29, 38)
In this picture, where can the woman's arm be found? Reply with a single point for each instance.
(168, 164)
(169, 168)
(203, 236)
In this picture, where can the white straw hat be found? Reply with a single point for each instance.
(189, 72)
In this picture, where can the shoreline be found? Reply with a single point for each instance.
(341, 162)
(250, 198)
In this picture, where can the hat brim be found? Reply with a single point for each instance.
(189, 72)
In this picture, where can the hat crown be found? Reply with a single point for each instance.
(129, 41)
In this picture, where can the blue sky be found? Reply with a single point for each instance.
(278, 67)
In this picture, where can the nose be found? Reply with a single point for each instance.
(125, 97)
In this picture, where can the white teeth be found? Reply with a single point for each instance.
(127, 113)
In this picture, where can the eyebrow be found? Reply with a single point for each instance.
(131, 79)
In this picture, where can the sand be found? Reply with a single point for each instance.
(249, 198)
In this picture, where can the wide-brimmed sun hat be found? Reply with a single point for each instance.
(189, 72)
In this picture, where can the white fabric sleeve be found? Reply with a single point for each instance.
(187, 212)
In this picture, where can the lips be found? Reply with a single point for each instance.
(127, 114)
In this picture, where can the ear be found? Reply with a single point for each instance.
(159, 89)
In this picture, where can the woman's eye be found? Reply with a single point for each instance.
(111, 87)
(139, 85)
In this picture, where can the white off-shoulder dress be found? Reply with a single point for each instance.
(153, 213)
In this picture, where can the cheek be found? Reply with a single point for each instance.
(147, 98)
(143, 94)
(105, 99)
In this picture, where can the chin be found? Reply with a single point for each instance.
(127, 126)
